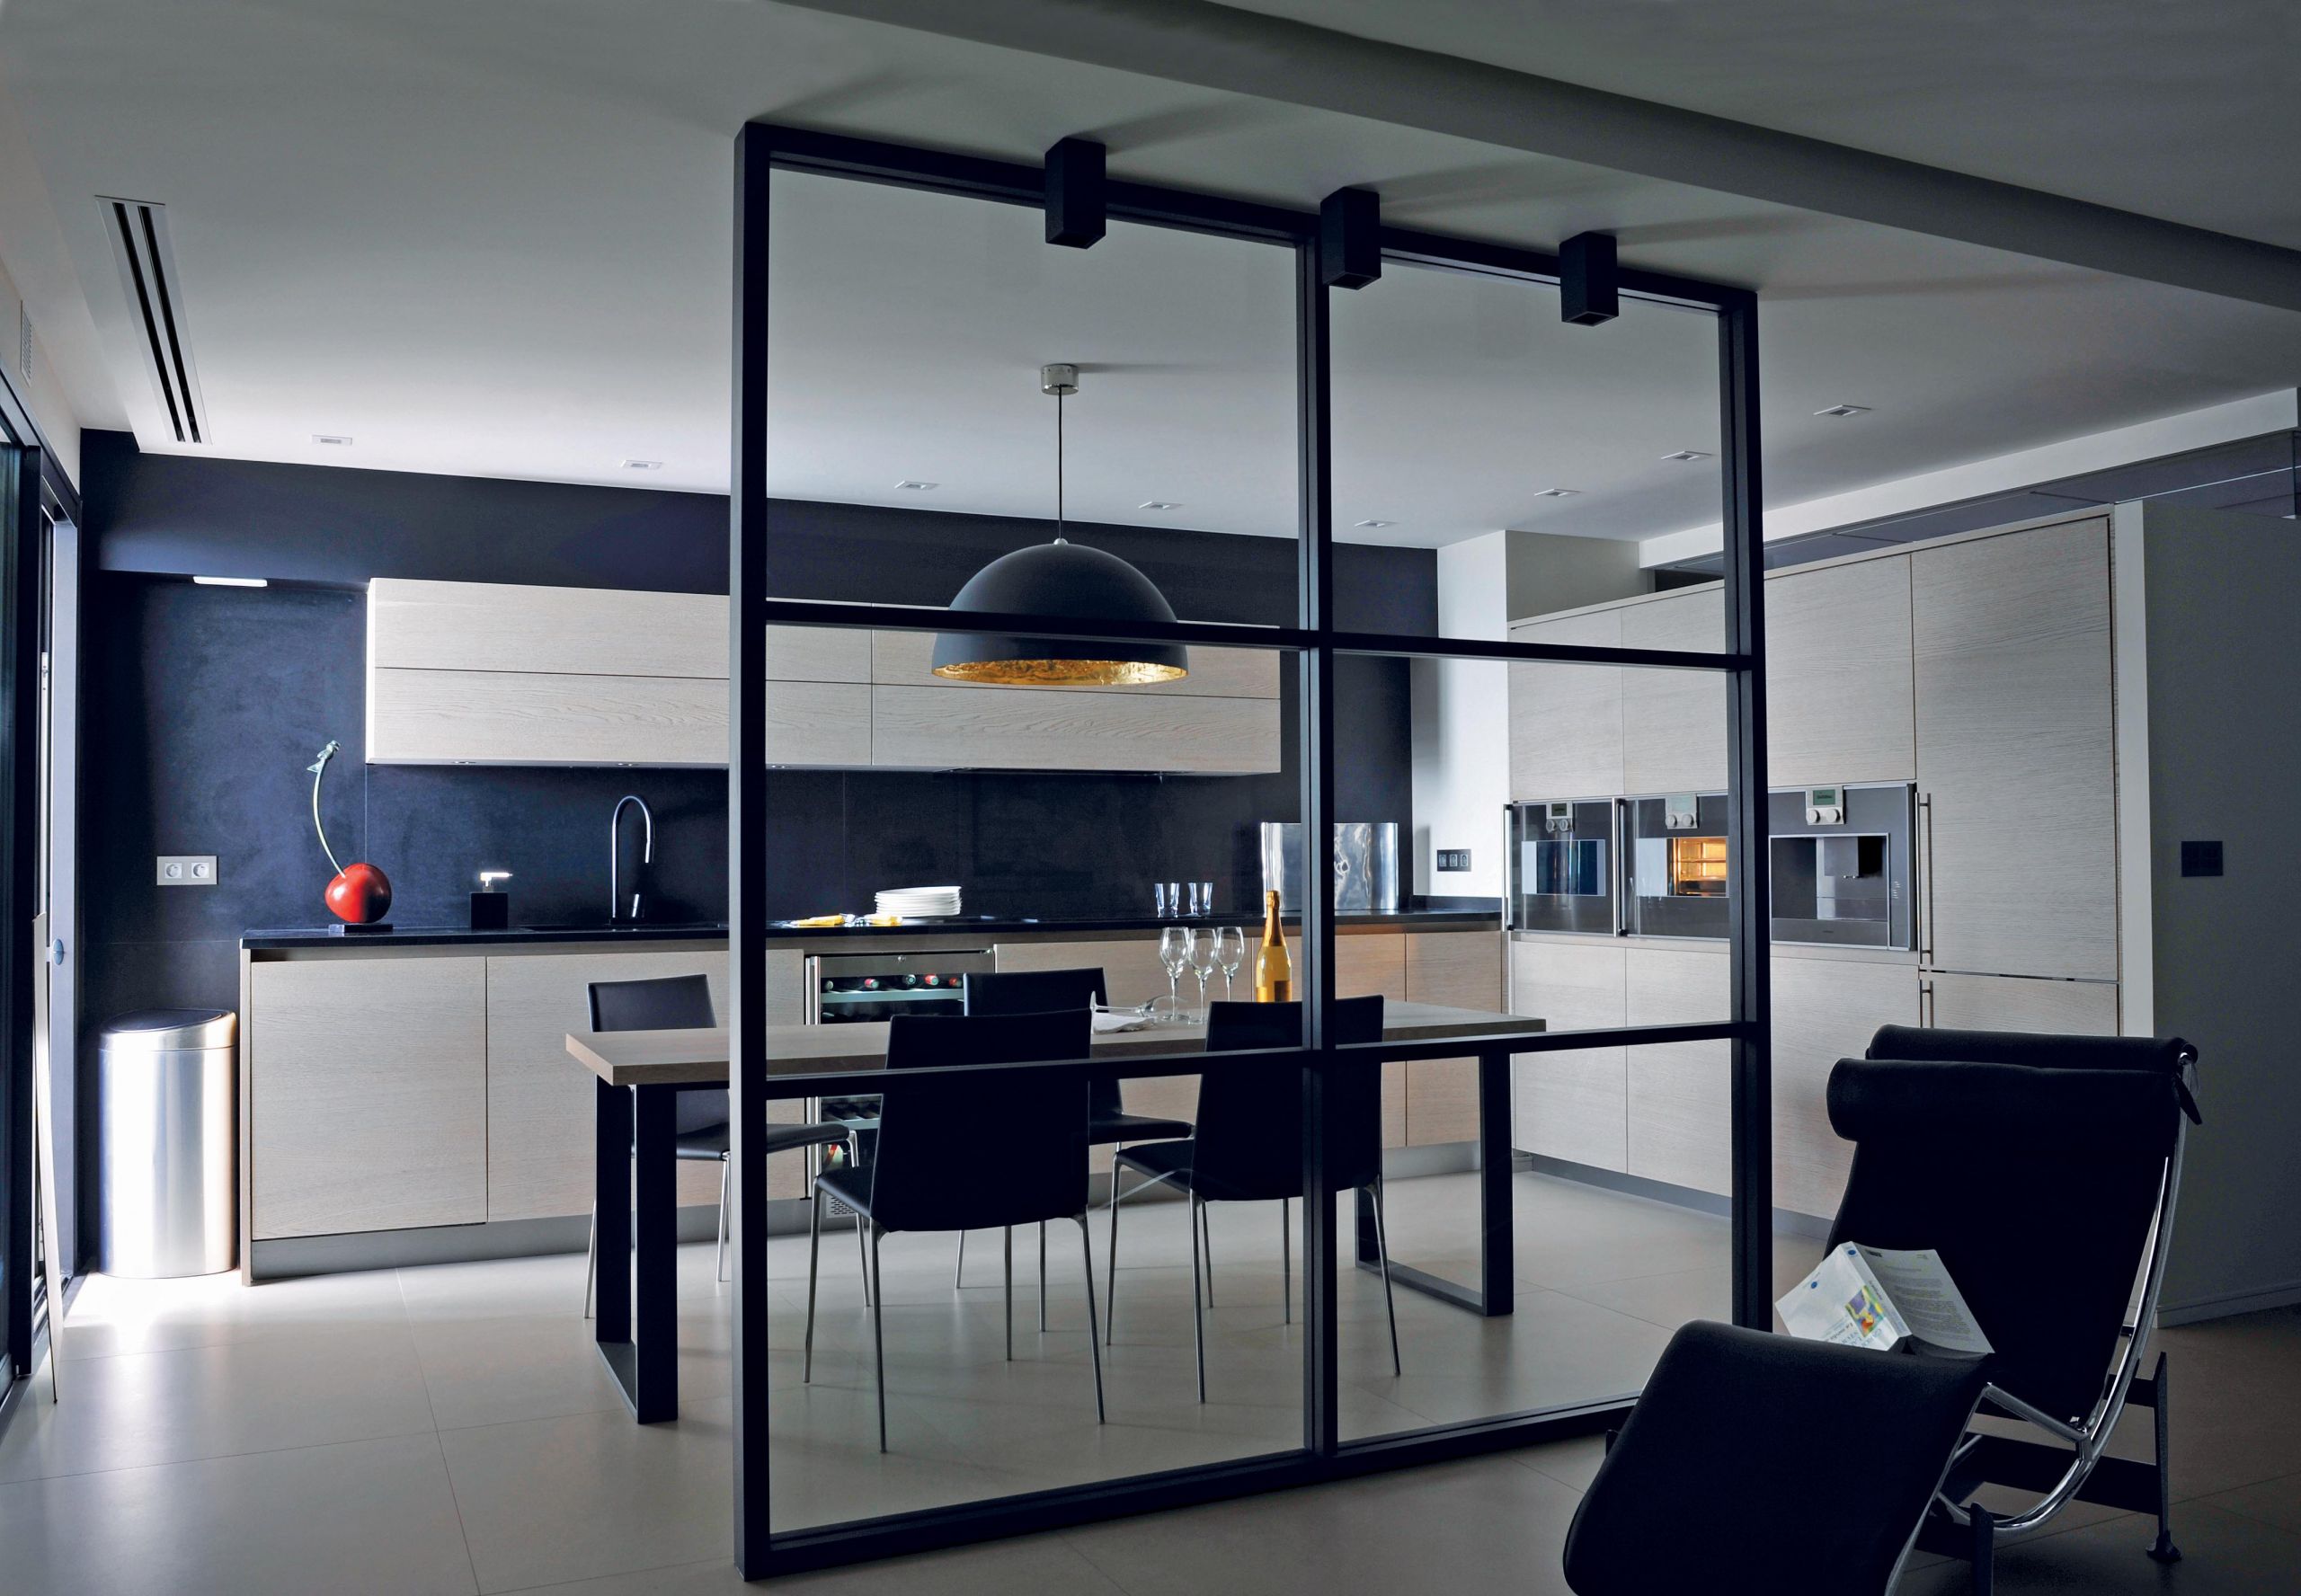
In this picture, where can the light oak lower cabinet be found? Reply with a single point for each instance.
(1462, 970)
(368, 1095)
(1824, 1010)
(540, 1107)
(1570, 1104)
(1680, 1100)
(2020, 1003)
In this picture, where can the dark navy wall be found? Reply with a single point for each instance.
(205, 704)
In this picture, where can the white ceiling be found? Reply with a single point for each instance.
(2182, 111)
(494, 240)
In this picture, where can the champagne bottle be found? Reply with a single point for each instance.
(1274, 971)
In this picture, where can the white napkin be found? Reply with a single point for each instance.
(1110, 1024)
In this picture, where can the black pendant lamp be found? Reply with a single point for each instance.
(1061, 579)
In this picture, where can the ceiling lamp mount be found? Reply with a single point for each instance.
(1067, 580)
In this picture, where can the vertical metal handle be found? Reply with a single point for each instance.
(1925, 896)
(1509, 865)
(1924, 1003)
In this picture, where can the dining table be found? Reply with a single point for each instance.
(637, 1076)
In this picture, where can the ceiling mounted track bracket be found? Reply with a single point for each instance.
(1589, 280)
(1350, 238)
(1076, 217)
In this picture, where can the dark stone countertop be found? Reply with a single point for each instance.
(317, 936)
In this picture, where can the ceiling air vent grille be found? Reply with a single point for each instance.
(138, 229)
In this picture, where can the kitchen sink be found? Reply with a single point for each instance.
(614, 927)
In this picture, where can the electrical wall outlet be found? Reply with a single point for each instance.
(187, 870)
(1453, 859)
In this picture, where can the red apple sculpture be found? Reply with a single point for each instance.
(360, 894)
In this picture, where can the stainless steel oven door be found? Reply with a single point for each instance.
(1562, 866)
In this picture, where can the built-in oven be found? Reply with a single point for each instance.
(1840, 866)
(843, 989)
(1561, 857)
(1673, 876)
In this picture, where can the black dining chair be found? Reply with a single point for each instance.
(954, 1155)
(701, 1118)
(1248, 1147)
(1108, 1125)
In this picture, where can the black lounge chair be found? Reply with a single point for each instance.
(2044, 1170)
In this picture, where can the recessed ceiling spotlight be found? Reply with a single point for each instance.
(1159, 504)
(1558, 494)
(1371, 525)
(233, 581)
(916, 486)
(1841, 412)
(631, 465)
(1689, 454)
(333, 439)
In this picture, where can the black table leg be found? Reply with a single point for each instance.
(637, 1168)
(1496, 1293)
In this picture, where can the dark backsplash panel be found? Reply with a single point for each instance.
(205, 706)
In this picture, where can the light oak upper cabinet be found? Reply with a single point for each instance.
(2017, 823)
(1223, 718)
(366, 1095)
(1570, 1104)
(1838, 676)
(493, 673)
(1674, 722)
(1566, 720)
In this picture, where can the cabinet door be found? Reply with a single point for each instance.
(1569, 1105)
(1679, 1097)
(1462, 970)
(1566, 720)
(541, 1103)
(939, 728)
(1372, 964)
(1838, 676)
(368, 1096)
(2014, 757)
(1824, 1010)
(2016, 1003)
(1674, 722)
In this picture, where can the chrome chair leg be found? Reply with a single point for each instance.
(1207, 1228)
(1285, 1264)
(1197, 1313)
(815, 1251)
(1382, 1246)
(959, 1263)
(726, 1163)
(878, 1333)
(1008, 1243)
(1110, 1297)
(863, 1255)
(1087, 1251)
(1042, 1277)
(591, 1261)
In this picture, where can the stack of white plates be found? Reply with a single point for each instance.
(921, 903)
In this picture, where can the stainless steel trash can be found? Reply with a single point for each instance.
(169, 1164)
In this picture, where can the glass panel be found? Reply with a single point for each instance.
(990, 1370)
(1515, 465)
(911, 443)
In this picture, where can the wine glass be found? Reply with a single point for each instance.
(1175, 945)
(1229, 952)
(1203, 956)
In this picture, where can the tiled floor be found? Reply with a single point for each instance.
(448, 1429)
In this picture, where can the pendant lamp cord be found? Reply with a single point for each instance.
(1058, 468)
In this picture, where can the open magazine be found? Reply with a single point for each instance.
(1873, 1297)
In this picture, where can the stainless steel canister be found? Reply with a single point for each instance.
(168, 1167)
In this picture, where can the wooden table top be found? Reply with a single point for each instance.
(699, 1056)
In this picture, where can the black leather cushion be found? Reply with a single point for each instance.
(1761, 1463)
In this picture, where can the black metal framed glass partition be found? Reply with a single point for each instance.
(1347, 1264)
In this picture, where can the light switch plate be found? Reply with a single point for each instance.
(187, 870)
(1453, 859)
